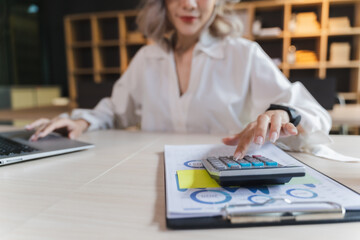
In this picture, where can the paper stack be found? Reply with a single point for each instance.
(268, 32)
(307, 22)
(339, 52)
(306, 56)
(339, 24)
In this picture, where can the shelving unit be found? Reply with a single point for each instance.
(278, 13)
(100, 45)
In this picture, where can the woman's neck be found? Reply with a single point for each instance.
(185, 43)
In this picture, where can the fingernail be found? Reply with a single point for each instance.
(238, 156)
(273, 137)
(293, 130)
(259, 140)
(32, 138)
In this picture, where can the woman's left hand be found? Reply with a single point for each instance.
(274, 123)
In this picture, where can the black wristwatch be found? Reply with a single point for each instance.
(294, 116)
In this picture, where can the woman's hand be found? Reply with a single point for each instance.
(274, 123)
(44, 126)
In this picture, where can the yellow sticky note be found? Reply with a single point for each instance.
(195, 179)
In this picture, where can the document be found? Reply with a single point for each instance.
(191, 192)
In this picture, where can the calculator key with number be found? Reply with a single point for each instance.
(250, 170)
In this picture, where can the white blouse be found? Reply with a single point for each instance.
(232, 81)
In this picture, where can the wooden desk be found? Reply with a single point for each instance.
(116, 191)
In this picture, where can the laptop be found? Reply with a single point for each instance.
(15, 146)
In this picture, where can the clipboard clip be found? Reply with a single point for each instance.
(301, 211)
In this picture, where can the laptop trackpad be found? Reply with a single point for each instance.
(51, 142)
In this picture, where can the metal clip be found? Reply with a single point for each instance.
(301, 211)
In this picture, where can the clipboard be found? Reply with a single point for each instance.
(239, 215)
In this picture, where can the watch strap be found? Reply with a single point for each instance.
(294, 116)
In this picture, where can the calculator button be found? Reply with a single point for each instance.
(258, 164)
(267, 161)
(220, 167)
(216, 163)
(225, 159)
(272, 163)
(233, 165)
(255, 162)
(230, 162)
(243, 163)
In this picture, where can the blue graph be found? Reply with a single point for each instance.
(194, 164)
(210, 197)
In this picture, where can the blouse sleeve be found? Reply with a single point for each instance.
(268, 85)
(122, 109)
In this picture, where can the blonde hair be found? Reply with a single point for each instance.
(153, 22)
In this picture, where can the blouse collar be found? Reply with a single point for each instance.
(210, 45)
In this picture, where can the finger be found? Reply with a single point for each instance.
(243, 146)
(43, 132)
(37, 123)
(291, 129)
(261, 129)
(232, 141)
(244, 140)
(74, 133)
(35, 136)
(275, 127)
(55, 125)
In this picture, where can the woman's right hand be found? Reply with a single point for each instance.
(44, 126)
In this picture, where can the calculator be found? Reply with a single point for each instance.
(250, 170)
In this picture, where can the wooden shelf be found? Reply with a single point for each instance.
(261, 38)
(345, 32)
(315, 65)
(108, 43)
(350, 64)
(81, 44)
(83, 71)
(343, 1)
(349, 95)
(110, 70)
(305, 35)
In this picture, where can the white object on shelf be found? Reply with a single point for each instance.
(256, 28)
(291, 56)
(60, 101)
(339, 52)
(339, 24)
(269, 32)
(292, 23)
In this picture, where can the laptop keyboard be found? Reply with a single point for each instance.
(9, 148)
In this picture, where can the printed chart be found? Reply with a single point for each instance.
(191, 192)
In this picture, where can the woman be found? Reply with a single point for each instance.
(200, 77)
